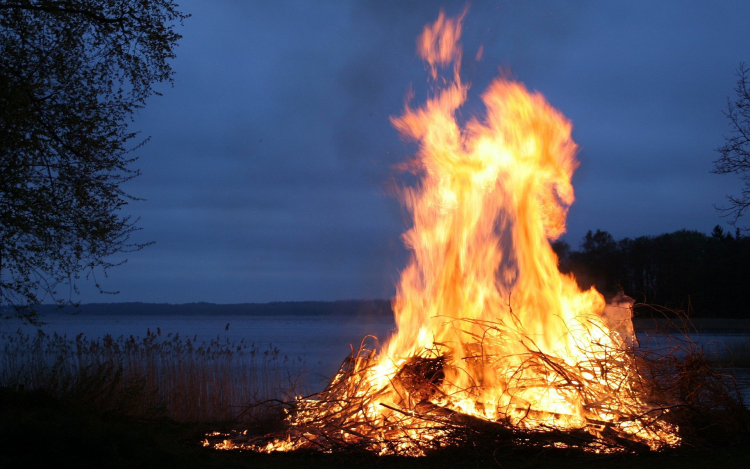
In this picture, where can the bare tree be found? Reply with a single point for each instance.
(735, 153)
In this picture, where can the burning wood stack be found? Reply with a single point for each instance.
(411, 413)
(493, 343)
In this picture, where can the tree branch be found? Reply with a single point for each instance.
(59, 8)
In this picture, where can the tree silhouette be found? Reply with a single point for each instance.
(72, 73)
(684, 270)
(735, 153)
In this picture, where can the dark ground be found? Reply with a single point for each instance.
(39, 431)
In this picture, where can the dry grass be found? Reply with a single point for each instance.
(155, 376)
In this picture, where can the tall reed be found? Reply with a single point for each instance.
(179, 378)
(732, 352)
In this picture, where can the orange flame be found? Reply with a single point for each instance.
(491, 196)
(482, 281)
(502, 335)
(438, 44)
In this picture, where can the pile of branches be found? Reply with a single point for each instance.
(670, 396)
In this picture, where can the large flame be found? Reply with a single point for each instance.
(487, 326)
(491, 196)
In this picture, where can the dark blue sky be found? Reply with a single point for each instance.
(267, 175)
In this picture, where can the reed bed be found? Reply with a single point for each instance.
(155, 376)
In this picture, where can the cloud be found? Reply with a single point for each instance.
(267, 175)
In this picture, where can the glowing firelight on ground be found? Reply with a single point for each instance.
(488, 329)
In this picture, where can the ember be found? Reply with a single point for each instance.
(492, 341)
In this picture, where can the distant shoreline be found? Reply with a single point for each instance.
(281, 308)
(723, 325)
(345, 308)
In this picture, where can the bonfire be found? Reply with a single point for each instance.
(492, 341)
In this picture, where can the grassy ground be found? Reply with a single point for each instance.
(36, 428)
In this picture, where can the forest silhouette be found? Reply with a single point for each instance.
(688, 271)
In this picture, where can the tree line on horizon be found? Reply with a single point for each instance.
(688, 271)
